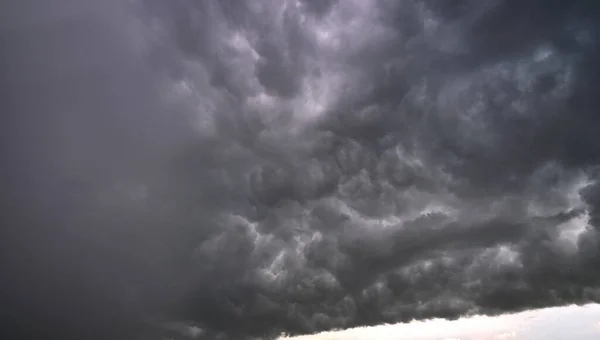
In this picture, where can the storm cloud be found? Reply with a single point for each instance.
(242, 169)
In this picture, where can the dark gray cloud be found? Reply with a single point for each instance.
(239, 169)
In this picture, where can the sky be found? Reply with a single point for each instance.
(568, 322)
(239, 169)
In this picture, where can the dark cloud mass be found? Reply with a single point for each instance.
(228, 169)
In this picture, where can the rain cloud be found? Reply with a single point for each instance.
(242, 169)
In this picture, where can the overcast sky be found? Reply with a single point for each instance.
(570, 322)
(235, 169)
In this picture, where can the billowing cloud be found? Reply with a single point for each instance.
(239, 169)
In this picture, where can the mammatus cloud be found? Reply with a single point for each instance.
(238, 169)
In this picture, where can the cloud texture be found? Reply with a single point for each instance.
(238, 169)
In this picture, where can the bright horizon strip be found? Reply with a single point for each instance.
(557, 323)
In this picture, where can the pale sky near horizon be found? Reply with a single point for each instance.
(571, 322)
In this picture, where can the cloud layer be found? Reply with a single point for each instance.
(239, 169)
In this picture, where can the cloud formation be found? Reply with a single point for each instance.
(239, 169)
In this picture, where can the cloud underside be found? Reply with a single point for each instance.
(251, 168)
